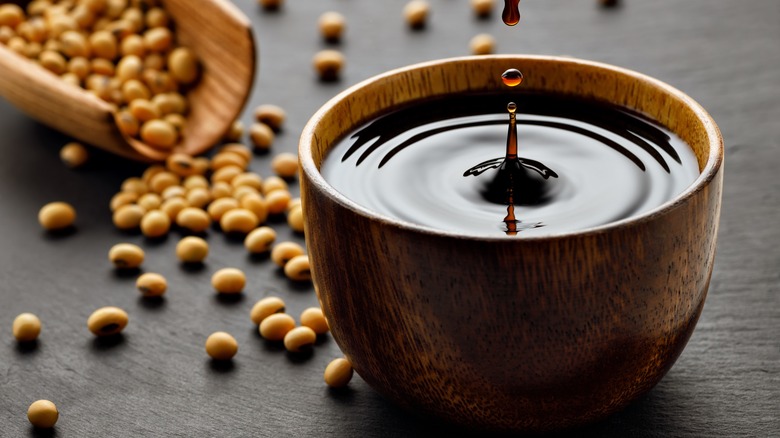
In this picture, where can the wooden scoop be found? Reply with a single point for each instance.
(219, 34)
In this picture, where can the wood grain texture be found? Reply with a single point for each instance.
(223, 88)
(159, 382)
(529, 334)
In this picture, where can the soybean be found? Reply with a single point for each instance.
(152, 171)
(242, 191)
(71, 79)
(43, 414)
(416, 13)
(198, 197)
(126, 255)
(273, 183)
(135, 185)
(177, 121)
(74, 155)
(162, 180)
(248, 179)
(173, 206)
(224, 159)
(262, 136)
(135, 17)
(328, 64)
(192, 249)
(238, 148)
(18, 45)
(298, 268)
(151, 284)
(315, 320)
(277, 201)
(271, 115)
(200, 165)
(183, 65)
(155, 224)
(150, 201)
(221, 189)
(238, 220)
(133, 90)
(173, 192)
(132, 45)
(156, 17)
(193, 219)
(265, 308)
(482, 44)
(127, 123)
(235, 132)
(159, 133)
(56, 216)
(6, 33)
(194, 181)
(260, 240)
(26, 327)
(276, 326)
(170, 103)
(332, 26)
(295, 219)
(221, 206)
(11, 15)
(158, 39)
(295, 202)
(285, 165)
(128, 217)
(256, 204)
(228, 281)
(74, 44)
(180, 164)
(285, 251)
(107, 321)
(221, 346)
(129, 67)
(299, 339)
(52, 61)
(482, 8)
(338, 373)
(226, 174)
(104, 44)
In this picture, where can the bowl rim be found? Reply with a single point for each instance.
(706, 176)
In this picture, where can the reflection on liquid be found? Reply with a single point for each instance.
(512, 182)
(646, 136)
(409, 164)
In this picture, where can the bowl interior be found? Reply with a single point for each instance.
(600, 82)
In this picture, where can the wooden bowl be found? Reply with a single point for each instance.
(526, 334)
(215, 102)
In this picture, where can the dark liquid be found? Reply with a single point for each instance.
(511, 14)
(610, 165)
(514, 181)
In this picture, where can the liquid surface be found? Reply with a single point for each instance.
(418, 165)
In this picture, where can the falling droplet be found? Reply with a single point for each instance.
(512, 77)
(511, 13)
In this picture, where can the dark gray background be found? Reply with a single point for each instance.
(158, 382)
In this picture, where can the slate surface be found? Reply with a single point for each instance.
(157, 382)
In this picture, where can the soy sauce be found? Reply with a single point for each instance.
(609, 164)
